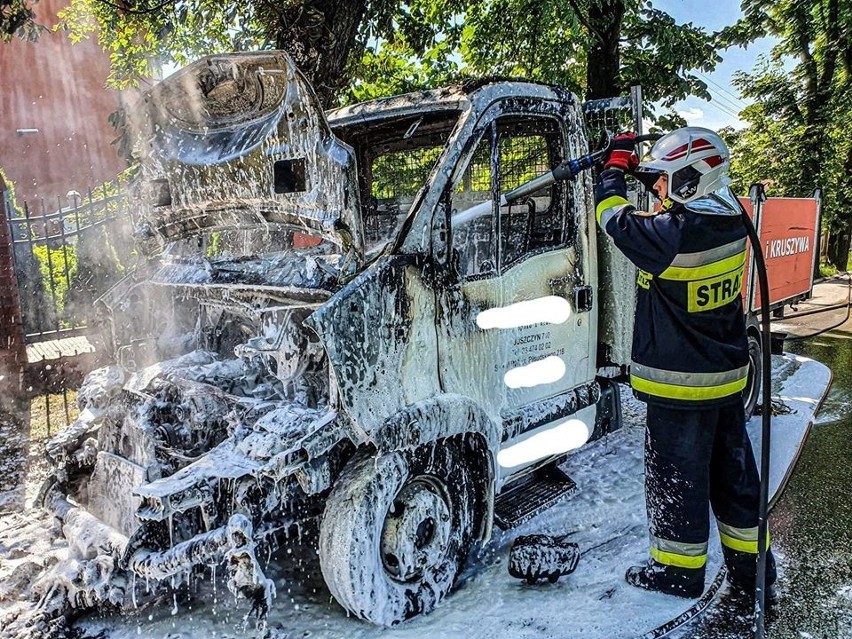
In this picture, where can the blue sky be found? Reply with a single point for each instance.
(713, 15)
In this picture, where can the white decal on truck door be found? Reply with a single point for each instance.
(544, 371)
(568, 435)
(543, 310)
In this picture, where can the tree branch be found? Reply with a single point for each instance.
(126, 8)
(575, 8)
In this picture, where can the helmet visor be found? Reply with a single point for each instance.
(647, 176)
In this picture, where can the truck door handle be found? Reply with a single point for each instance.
(583, 299)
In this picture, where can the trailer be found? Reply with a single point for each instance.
(789, 230)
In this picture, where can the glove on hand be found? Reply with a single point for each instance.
(623, 155)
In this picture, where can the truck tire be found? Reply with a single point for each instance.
(396, 531)
(755, 367)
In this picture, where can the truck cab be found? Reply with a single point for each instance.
(508, 289)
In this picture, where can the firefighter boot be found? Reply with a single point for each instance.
(670, 580)
(742, 568)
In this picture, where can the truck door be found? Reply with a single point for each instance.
(515, 323)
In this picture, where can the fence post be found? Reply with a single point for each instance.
(13, 349)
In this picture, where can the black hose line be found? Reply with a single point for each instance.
(693, 611)
(816, 311)
(833, 307)
(766, 385)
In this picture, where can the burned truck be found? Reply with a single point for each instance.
(338, 317)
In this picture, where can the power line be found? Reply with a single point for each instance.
(722, 104)
(721, 109)
(734, 98)
(719, 101)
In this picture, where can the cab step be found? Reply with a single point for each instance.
(529, 496)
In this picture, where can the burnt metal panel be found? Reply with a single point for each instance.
(214, 132)
(379, 334)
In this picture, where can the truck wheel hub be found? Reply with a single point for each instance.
(416, 532)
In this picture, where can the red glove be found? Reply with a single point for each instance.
(623, 155)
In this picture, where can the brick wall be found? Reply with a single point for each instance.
(13, 354)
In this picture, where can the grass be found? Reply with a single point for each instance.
(48, 413)
(827, 270)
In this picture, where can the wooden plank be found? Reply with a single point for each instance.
(58, 348)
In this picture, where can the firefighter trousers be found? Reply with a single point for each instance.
(693, 457)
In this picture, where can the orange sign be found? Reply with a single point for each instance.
(788, 236)
(303, 240)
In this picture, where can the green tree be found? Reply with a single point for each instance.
(378, 47)
(799, 122)
(320, 35)
(597, 48)
(17, 19)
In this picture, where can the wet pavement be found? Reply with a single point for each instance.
(811, 525)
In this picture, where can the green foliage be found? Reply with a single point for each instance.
(659, 55)
(827, 270)
(404, 45)
(402, 173)
(17, 19)
(58, 267)
(767, 151)
(9, 192)
(543, 40)
(36, 310)
(134, 37)
(538, 40)
(801, 117)
(392, 68)
(214, 248)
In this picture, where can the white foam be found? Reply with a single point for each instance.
(570, 434)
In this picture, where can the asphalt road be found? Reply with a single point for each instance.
(811, 525)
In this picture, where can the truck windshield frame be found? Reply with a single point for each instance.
(396, 157)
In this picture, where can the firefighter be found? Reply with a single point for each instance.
(689, 358)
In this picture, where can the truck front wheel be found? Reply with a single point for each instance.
(755, 367)
(396, 531)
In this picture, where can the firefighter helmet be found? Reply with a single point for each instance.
(694, 159)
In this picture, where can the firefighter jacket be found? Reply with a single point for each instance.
(689, 337)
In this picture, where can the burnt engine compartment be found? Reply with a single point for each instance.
(197, 362)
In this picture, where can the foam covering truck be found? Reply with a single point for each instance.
(339, 318)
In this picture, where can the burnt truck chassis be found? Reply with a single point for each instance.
(300, 378)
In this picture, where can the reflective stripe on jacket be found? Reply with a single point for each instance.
(689, 338)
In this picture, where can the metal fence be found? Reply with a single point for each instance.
(65, 255)
(613, 115)
(52, 411)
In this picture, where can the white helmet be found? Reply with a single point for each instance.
(695, 159)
